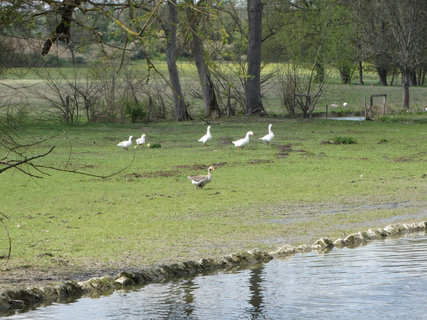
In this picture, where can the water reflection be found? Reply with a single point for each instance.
(255, 288)
(386, 279)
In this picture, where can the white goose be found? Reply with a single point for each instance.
(141, 140)
(206, 137)
(268, 137)
(201, 180)
(242, 142)
(125, 144)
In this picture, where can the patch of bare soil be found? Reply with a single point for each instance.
(258, 161)
(285, 149)
(200, 166)
(225, 141)
(307, 212)
(410, 158)
(177, 171)
(28, 276)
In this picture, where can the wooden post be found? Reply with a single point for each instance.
(228, 102)
(371, 103)
(150, 106)
(384, 105)
(366, 112)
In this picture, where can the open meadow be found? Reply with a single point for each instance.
(302, 186)
(306, 184)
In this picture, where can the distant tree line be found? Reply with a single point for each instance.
(391, 35)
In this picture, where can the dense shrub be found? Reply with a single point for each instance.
(344, 140)
(135, 111)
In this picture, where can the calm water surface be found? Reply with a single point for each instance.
(348, 118)
(383, 280)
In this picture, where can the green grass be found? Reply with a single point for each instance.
(261, 196)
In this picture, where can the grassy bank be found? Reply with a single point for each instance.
(295, 190)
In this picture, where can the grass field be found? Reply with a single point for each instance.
(295, 190)
(301, 187)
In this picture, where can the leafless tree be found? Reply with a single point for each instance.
(393, 33)
(407, 21)
(374, 38)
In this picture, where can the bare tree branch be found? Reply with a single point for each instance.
(9, 165)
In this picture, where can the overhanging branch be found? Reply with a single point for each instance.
(9, 165)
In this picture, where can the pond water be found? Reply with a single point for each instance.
(383, 280)
(348, 118)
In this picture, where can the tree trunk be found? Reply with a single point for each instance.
(382, 74)
(345, 74)
(419, 73)
(320, 71)
(406, 80)
(412, 77)
(253, 81)
(405, 97)
(208, 90)
(62, 30)
(361, 73)
(393, 76)
(180, 106)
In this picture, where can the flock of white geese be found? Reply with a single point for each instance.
(241, 142)
(199, 181)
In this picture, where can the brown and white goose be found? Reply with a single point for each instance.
(201, 180)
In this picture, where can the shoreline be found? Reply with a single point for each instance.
(68, 291)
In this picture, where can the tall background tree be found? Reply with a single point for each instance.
(374, 36)
(253, 80)
(197, 15)
(407, 21)
(171, 56)
(326, 34)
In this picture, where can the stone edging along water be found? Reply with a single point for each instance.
(71, 290)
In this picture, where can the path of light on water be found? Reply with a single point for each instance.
(383, 280)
